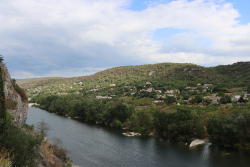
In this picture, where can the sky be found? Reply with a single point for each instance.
(69, 38)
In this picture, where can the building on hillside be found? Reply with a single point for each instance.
(207, 85)
(190, 88)
(214, 99)
(151, 73)
(103, 97)
(247, 95)
(158, 91)
(158, 101)
(237, 97)
(93, 90)
(160, 96)
(172, 91)
(112, 85)
(150, 89)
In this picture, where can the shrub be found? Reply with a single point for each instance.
(59, 150)
(10, 104)
(116, 124)
(19, 90)
(24, 145)
(5, 159)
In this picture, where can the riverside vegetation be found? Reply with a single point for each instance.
(23, 145)
(173, 101)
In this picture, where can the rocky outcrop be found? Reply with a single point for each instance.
(196, 142)
(19, 112)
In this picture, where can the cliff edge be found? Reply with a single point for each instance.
(17, 103)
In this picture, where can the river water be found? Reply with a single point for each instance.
(92, 145)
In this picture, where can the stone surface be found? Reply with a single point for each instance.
(20, 113)
(196, 142)
(131, 134)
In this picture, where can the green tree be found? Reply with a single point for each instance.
(241, 99)
(198, 98)
(169, 100)
(223, 100)
(2, 100)
(229, 100)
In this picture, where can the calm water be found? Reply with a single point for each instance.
(93, 145)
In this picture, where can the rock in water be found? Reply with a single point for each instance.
(196, 142)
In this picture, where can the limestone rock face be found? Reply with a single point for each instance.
(21, 110)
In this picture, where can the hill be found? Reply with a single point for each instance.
(161, 76)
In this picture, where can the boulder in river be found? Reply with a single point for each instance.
(196, 142)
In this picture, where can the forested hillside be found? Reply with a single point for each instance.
(162, 76)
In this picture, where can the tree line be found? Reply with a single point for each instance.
(226, 127)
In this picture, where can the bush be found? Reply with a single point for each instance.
(10, 104)
(59, 150)
(5, 159)
(24, 145)
(116, 124)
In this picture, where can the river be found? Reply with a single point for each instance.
(92, 145)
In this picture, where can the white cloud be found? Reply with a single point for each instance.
(195, 58)
(57, 35)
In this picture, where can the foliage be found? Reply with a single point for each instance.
(223, 100)
(169, 100)
(59, 150)
(230, 129)
(19, 90)
(46, 149)
(141, 121)
(5, 159)
(42, 128)
(2, 101)
(180, 123)
(24, 145)
(10, 104)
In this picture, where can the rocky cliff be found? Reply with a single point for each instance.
(19, 106)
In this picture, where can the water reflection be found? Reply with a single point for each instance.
(96, 145)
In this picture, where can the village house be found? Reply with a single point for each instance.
(93, 90)
(214, 99)
(247, 95)
(190, 88)
(172, 91)
(158, 101)
(158, 91)
(237, 97)
(150, 89)
(207, 85)
(160, 96)
(170, 95)
(103, 97)
(112, 85)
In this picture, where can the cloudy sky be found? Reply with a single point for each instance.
(80, 37)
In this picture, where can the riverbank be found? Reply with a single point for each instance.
(96, 145)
